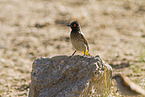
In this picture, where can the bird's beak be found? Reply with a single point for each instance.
(68, 25)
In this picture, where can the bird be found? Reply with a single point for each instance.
(127, 87)
(78, 39)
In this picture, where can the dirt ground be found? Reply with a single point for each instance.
(29, 29)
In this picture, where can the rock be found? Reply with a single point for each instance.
(78, 76)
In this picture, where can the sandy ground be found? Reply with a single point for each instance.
(30, 29)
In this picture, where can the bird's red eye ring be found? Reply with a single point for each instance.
(74, 25)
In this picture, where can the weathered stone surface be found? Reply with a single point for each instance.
(61, 76)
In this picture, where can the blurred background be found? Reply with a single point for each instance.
(29, 29)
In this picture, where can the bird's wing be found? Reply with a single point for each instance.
(84, 40)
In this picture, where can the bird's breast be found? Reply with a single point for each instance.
(77, 42)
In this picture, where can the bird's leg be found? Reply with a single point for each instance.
(84, 53)
(73, 54)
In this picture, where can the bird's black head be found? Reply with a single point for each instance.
(74, 26)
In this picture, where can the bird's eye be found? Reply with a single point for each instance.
(75, 25)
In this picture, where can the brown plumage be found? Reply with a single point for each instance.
(127, 87)
(78, 39)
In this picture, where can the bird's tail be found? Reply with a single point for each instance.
(86, 53)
